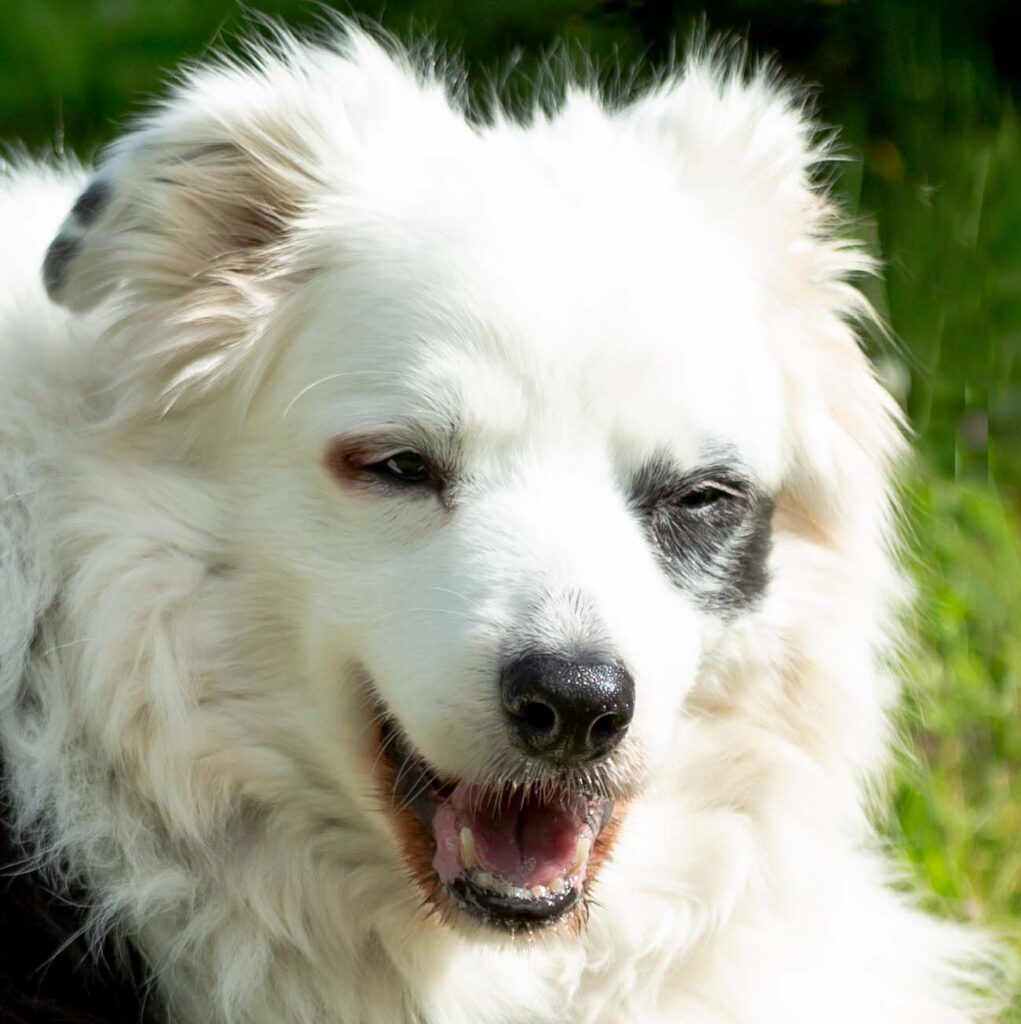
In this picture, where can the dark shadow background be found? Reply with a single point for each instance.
(924, 92)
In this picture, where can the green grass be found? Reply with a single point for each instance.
(960, 818)
(934, 176)
(950, 233)
(957, 804)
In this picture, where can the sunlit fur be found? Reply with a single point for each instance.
(194, 612)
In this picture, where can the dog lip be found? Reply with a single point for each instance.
(510, 913)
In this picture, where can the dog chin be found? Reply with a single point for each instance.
(518, 853)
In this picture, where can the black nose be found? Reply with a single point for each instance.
(567, 710)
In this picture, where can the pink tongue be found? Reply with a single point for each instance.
(528, 842)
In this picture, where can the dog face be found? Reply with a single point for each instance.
(516, 427)
(532, 520)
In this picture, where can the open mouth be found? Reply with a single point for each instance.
(513, 856)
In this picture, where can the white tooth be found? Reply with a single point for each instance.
(558, 886)
(468, 858)
(518, 893)
(540, 892)
(581, 852)
(484, 880)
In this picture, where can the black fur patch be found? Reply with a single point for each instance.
(91, 202)
(712, 529)
(62, 250)
(48, 974)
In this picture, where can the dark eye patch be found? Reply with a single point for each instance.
(91, 203)
(711, 529)
(57, 263)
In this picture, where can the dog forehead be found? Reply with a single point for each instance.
(640, 355)
(499, 295)
(652, 343)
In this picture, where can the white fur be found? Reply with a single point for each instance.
(316, 243)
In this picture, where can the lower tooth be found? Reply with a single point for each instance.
(501, 887)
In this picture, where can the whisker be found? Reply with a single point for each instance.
(383, 747)
(453, 593)
(384, 616)
(421, 787)
(330, 377)
(441, 611)
(70, 643)
(408, 762)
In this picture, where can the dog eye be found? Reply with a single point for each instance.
(707, 496)
(408, 467)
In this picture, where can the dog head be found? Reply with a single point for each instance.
(523, 436)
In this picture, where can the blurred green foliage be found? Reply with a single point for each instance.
(923, 91)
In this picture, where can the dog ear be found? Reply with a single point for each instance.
(188, 231)
(202, 189)
(742, 139)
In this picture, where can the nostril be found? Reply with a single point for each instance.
(540, 717)
(607, 727)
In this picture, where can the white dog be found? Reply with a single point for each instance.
(447, 562)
